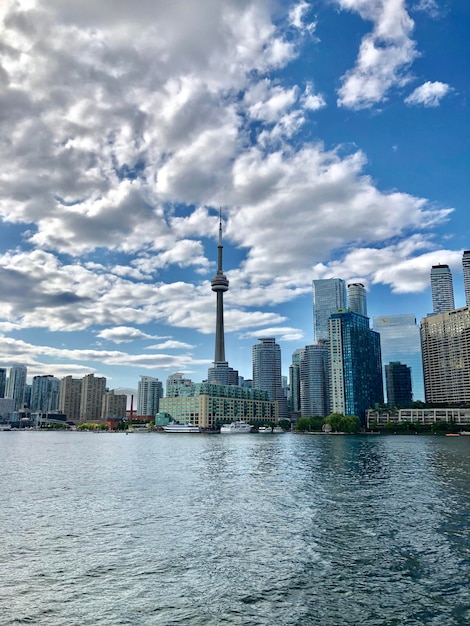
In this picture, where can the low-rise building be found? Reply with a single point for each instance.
(419, 416)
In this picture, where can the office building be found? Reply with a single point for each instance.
(3, 381)
(398, 384)
(445, 340)
(16, 385)
(442, 289)
(149, 392)
(114, 405)
(45, 394)
(329, 296)
(357, 300)
(466, 275)
(91, 399)
(355, 364)
(267, 374)
(315, 380)
(400, 340)
(69, 398)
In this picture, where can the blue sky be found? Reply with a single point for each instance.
(334, 134)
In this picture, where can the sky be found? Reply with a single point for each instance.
(332, 134)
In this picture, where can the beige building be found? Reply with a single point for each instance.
(69, 398)
(114, 405)
(91, 400)
(445, 341)
(208, 405)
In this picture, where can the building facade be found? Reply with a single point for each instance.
(149, 392)
(398, 384)
(91, 399)
(69, 398)
(355, 364)
(315, 380)
(294, 381)
(16, 385)
(357, 300)
(267, 371)
(442, 289)
(45, 392)
(3, 381)
(445, 340)
(329, 296)
(400, 340)
(419, 416)
(466, 275)
(114, 405)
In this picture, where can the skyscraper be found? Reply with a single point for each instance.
(220, 373)
(466, 275)
(329, 296)
(314, 380)
(3, 381)
(442, 289)
(16, 385)
(91, 400)
(294, 381)
(357, 301)
(267, 373)
(114, 405)
(45, 394)
(69, 398)
(400, 340)
(355, 364)
(445, 340)
(398, 383)
(149, 392)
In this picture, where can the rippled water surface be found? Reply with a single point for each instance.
(165, 529)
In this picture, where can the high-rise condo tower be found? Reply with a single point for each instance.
(442, 289)
(466, 275)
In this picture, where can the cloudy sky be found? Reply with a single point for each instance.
(334, 135)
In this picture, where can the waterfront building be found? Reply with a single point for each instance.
(3, 381)
(357, 300)
(398, 384)
(294, 381)
(400, 340)
(267, 374)
(329, 296)
(27, 396)
(466, 275)
(91, 399)
(209, 405)
(69, 398)
(315, 380)
(445, 340)
(459, 417)
(355, 364)
(45, 394)
(7, 407)
(114, 405)
(175, 383)
(16, 385)
(149, 392)
(442, 289)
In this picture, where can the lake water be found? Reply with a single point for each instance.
(144, 529)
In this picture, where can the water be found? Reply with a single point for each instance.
(152, 529)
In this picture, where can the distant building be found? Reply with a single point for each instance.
(355, 364)
(149, 392)
(16, 385)
(7, 407)
(267, 374)
(329, 296)
(398, 383)
(445, 342)
(357, 300)
(443, 415)
(315, 380)
(466, 275)
(176, 384)
(3, 381)
(114, 405)
(45, 394)
(91, 400)
(442, 289)
(400, 340)
(208, 405)
(69, 398)
(294, 381)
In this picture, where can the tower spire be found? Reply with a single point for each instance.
(219, 284)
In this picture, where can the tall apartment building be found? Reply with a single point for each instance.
(16, 385)
(176, 384)
(329, 296)
(398, 383)
(114, 405)
(357, 300)
(466, 275)
(442, 289)
(400, 340)
(91, 400)
(45, 394)
(3, 381)
(445, 340)
(315, 380)
(355, 364)
(69, 398)
(149, 392)
(267, 374)
(294, 381)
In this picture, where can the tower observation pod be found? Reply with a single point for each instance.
(219, 284)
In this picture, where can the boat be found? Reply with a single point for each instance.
(452, 435)
(239, 427)
(174, 427)
(278, 429)
(265, 429)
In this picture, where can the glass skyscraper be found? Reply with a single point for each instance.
(466, 275)
(442, 289)
(400, 341)
(357, 301)
(329, 296)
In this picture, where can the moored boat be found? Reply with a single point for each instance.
(174, 427)
(239, 427)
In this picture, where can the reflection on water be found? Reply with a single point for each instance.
(184, 529)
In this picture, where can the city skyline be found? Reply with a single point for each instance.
(332, 135)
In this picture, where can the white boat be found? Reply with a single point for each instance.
(265, 429)
(174, 427)
(278, 429)
(239, 427)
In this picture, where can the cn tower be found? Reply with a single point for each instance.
(219, 285)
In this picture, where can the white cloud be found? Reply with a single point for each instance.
(429, 94)
(384, 55)
(123, 334)
(281, 333)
